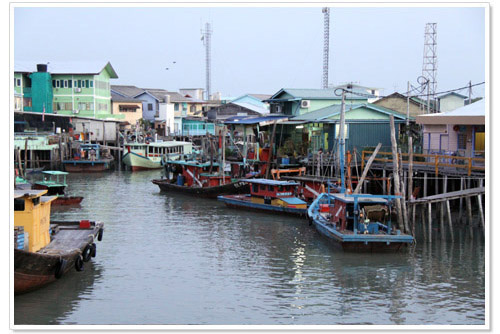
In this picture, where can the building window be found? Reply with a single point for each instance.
(65, 83)
(79, 83)
(61, 83)
(184, 106)
(150, 106)
(58, 83)
(17, 82)
(86, 84)
(176, 106)
(462, 141)
(70, 83)
(91, 83)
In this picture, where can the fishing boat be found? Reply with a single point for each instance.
(310, 186)
(45, 250)
(55, 183)
(356, 222)
(151, 155)
(88, 158)
(203, 179)
(270, 196)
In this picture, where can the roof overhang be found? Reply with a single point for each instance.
(455, 120)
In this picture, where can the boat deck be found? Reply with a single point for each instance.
(69, 238)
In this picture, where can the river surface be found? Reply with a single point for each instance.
(170, 259)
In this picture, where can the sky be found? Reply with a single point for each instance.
(258, 50)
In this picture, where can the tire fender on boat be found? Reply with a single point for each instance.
(87, 253)
(60, 266)
(79, 263)
(100, 233)
(93, 249)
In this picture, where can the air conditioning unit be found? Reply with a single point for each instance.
(78, 90)
(76, 111)
(305, 104)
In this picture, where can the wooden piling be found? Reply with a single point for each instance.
(450, 224)
(403, 194)
(410, 167)
(25, 155)
(422, 217)
(413, 222)
(430, 221)
(268, 169)
(384, 187)
(469, 209)
(480, 204)
(461, 188)
(395, 166)
(425, 184)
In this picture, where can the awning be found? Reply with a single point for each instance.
(262, 121)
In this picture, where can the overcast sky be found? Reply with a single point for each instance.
(258, 50)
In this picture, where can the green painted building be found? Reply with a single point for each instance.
(76, 88)
(366, 125)
(294, 102)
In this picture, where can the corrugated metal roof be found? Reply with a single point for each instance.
(321, 94)
(252, 107)
(330, 111)
(67, 67)
(127, 90)
(452, 93)
(255, 120)
(119, 98)
(474, 109)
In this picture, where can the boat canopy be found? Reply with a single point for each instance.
(361, 198)
(270, 182)
(292, 200)
(191, 163)
(29, 193)
(54, 172)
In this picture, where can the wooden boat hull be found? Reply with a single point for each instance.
(86, 166)
(206, 192)
(33, 270)
(67, 200)
(138, 162)
(52, 190)
(355, 243)
(238, 202)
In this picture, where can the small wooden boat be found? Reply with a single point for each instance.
(67, 200)
(195, 178)
(88, 159)
(270, 196)
(311, 186)
(45, 250)
(55, 183)
(358, 222)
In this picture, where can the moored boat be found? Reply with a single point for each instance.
(88, 159)
(201, 179)
(269, 196)
(55, 183)
(358, 222)
(45, 250)
(151, 155)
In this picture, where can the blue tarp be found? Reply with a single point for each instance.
(292, 200)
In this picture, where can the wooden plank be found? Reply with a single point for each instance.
(451, 195)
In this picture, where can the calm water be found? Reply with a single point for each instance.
(171, 259)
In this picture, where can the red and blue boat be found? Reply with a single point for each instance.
(268, 196)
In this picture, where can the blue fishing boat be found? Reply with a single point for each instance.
(88, 158)
(270, 196)
(356, 222)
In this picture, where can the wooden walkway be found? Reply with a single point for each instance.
(443, 200)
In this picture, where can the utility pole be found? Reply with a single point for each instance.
(470, 92)
(342, 142)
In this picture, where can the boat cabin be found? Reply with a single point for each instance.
(274, 192)
(359, 213)
(32, 212)
(52, 180)
(85, 152)
(160, 149)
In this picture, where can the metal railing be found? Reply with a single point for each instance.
(438, 161)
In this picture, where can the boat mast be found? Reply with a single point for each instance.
(342, 142)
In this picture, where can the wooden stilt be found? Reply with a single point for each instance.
(425, 184)
(395, 166)
(480, 204)
(469, 209)
(430, 221)
(461, 199)
(422, 217)
(449, 219)
(414, 209)
(410, 167)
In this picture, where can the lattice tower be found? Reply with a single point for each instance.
(326, 45)
(207, 39)
(429, 66)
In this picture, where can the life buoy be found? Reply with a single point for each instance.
(99, 234)
(60, 267)
(79, 263)
(87, 253)
(93, 248)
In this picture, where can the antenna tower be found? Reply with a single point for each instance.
(429, 66)
(326, 45)
(207, 39)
